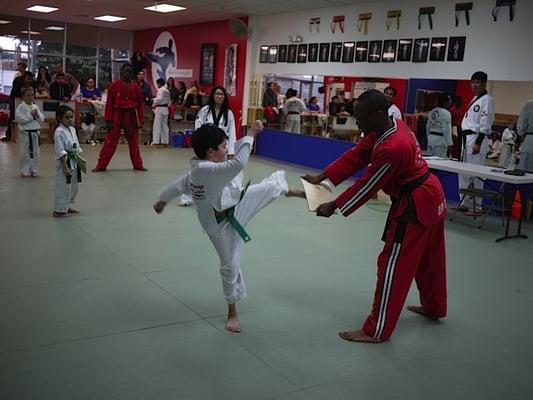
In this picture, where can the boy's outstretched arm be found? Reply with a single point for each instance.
(172, 191)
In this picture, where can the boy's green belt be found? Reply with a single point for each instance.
(229, 214)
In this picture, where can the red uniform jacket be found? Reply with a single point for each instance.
(117, 98)
(393, 160)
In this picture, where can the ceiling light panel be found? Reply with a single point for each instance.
(164, 8)
(42, 9)
(110, 18)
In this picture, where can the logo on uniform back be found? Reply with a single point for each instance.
(476, 108)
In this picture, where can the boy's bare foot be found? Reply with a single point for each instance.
(296, 193)
(422, 311)
(358, 336)
(232, 323)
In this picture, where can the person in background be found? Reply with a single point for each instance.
(172, 88)
(60, 89)
(270, 102)
(495, 147)
(335, 106)
(194, 85)
(457, 137)
(16, 93)
(146, 91)
(477, 127)
(161, 103)
(293, 109)
(43, 78)
(89, 91)
(138, 62)
(313, 104)
(68, 78)
(21, 68)
(390, 93)
(180, 93)
(439, 127)
(524, 129)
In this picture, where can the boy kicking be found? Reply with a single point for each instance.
(224, 209)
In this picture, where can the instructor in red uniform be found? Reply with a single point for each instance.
(123, 112)
(414, 233)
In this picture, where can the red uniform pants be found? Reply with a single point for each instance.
(111, 141)
(411, 250)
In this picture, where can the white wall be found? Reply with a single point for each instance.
(503, 49)
(510, 97)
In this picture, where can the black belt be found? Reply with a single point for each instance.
(528, 133)
(468, 132)
(30, 136)
(293, 112)
(436, 133)
(411, 185)
(161, 105)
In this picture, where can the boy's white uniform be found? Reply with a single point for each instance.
(207, 181)
(477, 121)
(293, 109)
(29, 128)
(160, 127)
(439, 131)
(66, 143)
(205, 116)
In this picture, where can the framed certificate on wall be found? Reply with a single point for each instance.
(207, 64)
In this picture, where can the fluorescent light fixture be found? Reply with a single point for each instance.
(4, 22)
(55, 28)
(42, 9)
(110, 18)
(349, 44)
(31, 32)
(164, 8)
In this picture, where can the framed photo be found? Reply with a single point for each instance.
(273, 54)
(263, 54)
(438, 49)
(405, 50)
(374, 51)
(207, 64)
(291, 53)
(312, 52)
(420, 50)
(389, 51)
(230, 69)
(361, 51)
(282, 53)
(324, 52)
(302, 53)
(348, 52)
(456, 48)
(336, 52)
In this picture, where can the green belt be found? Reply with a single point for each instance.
(72, 155)
(229, 214)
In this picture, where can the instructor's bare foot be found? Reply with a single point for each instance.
(422, 311)
(358, 336)
(295, 193)
(232, 323)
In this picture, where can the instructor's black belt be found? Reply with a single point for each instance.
(436, 133)
(293, 112)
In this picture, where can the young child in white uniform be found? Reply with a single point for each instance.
(217, 112)
(160, 104)
(30, 119)
(68, 174)
(223, 218)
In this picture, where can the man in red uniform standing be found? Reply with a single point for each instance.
(414, 233)
(124, 112)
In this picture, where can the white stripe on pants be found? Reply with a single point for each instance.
(64, 193)
(28, 165)
(228, 243)
(160, 127)
(466, 180)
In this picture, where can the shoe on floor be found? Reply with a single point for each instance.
(98, 170)
(140, 169)
(60, 215)
(72, 211)
(25, 175)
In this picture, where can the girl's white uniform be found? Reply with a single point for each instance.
(214, 187)
(28, 126)
(65, 141)
(205, 116)
(160, 127)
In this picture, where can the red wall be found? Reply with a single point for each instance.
(188, 39)
(399, 84)
(464, 90)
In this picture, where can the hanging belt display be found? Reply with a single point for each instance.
(314, 22)
(362, 22)
(393, 14)
(338, 20)
(504, 3)
(466, 7)
(429, 11)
